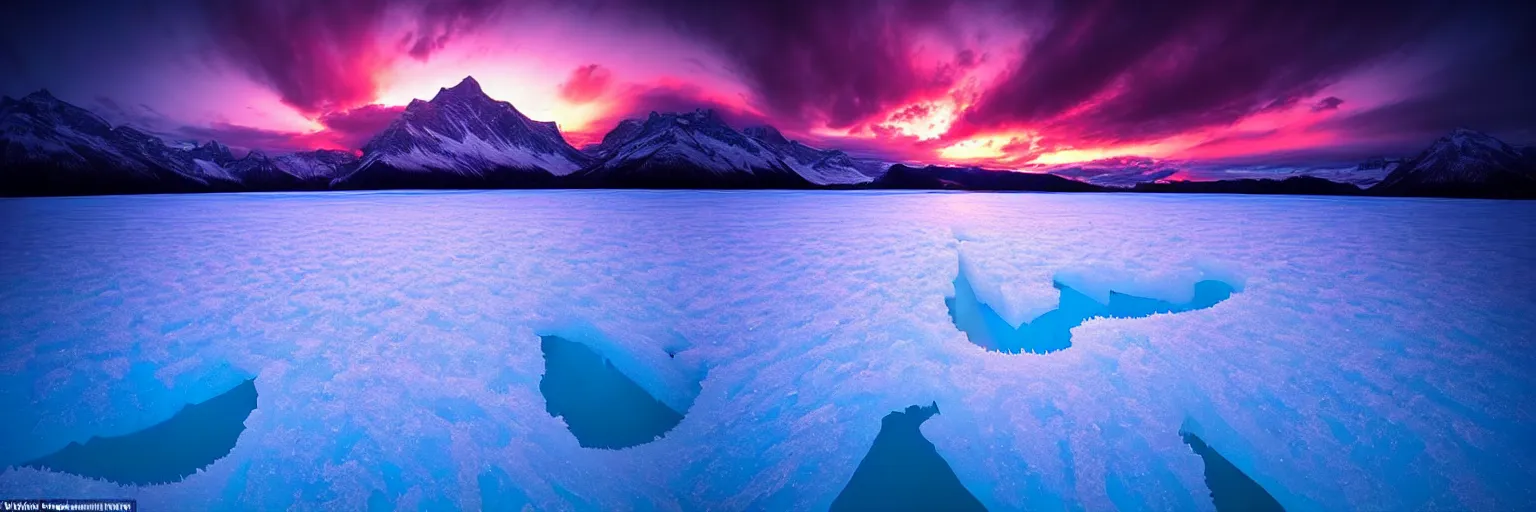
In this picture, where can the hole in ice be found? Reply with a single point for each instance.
(602, 407)
(166, 452)
(1231, 490)
(903, 471)
(1052, 331)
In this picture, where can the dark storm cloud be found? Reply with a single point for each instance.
(322, 56)
(1483, 80)
(1111, 71)
(242, 137)
(440, 20)
(1329, 103)
(351, 128)
(109, 105)
(72, 46)
(316, 55)
(841, 62)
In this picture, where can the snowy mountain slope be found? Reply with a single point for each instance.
(822, 167)
(1365, 175)
(211, 152)
(51, 146)
(304, 170)
(690, 150)
(320, 164)
(1464, 163)
(1116, 172)
(461, 137)
(1130, 171)
(617, 137)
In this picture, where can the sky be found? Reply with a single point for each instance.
(1005, 84)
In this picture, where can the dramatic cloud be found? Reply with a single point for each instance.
(586, 83)
(440, 20)
(638, 101)
(1480, 77)
(1128, 71)
(317, 56)
(838, 62)
(323, 56)
(246, 138)
(1004, 83)
(351, 128)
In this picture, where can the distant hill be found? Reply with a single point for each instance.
(1296, 185)
(971, 178)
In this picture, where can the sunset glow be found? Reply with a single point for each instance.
(972, 83)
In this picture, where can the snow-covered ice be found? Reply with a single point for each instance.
(1377, 355)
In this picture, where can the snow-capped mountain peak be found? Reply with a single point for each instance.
(1463, 162)
(468, 88)
(464, 132)
(701, 144)
(63, 145)
(766, 134)
(1121, 171)
(625, 131)
(1465, 137)
(688, 149)
(700, 138)
(212, 152)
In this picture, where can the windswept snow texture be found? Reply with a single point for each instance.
(1052, 330)
(1378, 356)
(167, 452)
(903, 471)
(602, 406)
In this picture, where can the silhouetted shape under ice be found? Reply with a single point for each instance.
(903, 471)
(166, 452)
(602, 407)
(1231, 490)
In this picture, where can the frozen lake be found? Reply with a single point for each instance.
(1342, 353)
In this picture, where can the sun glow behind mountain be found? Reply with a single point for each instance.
(972, 83)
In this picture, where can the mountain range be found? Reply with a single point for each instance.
(463, 138)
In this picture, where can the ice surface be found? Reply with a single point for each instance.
(1052, 331)
(468, 154)
(1377, 357)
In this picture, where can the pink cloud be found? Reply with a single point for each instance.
(586, 83)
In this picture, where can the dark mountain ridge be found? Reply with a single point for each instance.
(462, 138)
(1464, 163)
(688, 150)
(934, 177)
